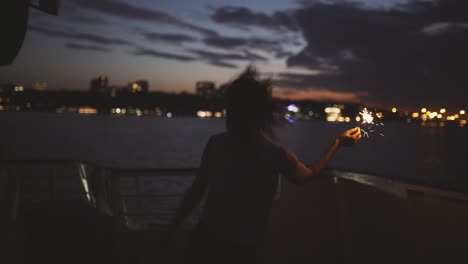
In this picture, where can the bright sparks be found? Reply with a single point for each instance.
(367, 117)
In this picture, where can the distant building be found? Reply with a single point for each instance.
(205, 89)
(114, 90)
(40, 86)
(100, 84)
(140, 86)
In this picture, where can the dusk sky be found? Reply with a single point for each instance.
(402, 53)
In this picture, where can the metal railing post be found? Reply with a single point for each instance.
(114, 196)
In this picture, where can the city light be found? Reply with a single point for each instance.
(138, 112)
(333, 114)
(203, 114)
(289, 118)
(443, 110)
(439, 116)
(158, 111)
(415, 115)
(347, 119)
(394, 110)
(218, 114)
(169, 115)
(332, 110)
(423, 110)
(462, 112)
(293, 108)
(87, 110)
(19, 89)
(136, 87)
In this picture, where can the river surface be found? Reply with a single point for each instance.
(432, 156)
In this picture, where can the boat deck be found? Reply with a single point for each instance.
(343, 217)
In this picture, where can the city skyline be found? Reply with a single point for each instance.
(319, 50)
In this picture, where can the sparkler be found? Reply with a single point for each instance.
(368, 119)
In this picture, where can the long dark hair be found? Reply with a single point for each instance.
(250, 106)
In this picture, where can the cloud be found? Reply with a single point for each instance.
(69, 13)
(223, 64)
(244, 18)
(403, 55)
(271, 46)
(73, 13)
(443, 27)
(97, 39)
(85, 19)
(133, 12)
(225, 42)
(221, 58)
(77, 46)
(173, 38)
(317, 94)
(299, 80)
(244, 56)
(160, 54)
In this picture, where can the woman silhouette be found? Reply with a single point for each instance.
(239, 174)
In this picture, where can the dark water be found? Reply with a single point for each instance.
(433, 156)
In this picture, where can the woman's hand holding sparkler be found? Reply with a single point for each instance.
(350, 137)
(303, 174)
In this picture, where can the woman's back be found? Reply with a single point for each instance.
(243, 177)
